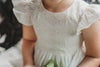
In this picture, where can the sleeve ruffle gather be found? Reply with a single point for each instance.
(23, 10)
(90, 15)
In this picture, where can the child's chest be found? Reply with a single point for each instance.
(54, 23)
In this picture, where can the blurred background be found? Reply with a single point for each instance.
(11, 35)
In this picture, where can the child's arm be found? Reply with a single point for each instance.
(29, 39)
(91, 37)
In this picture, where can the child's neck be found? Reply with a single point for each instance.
(57, 5)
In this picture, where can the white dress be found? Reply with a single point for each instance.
(59, 34)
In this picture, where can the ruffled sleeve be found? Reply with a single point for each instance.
(90, 15)
(23, 11)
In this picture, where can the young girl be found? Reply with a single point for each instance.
(55, 30)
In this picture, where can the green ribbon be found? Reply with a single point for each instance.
(51, 63)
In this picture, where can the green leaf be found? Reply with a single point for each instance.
(51, 63)
(55, 65)
(44, 66)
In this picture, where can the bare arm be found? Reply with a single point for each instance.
(29, 39)
(91, 37)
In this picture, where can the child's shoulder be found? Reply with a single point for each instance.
(84, 7)
(26, 5)
(89, 13)
(24, 9)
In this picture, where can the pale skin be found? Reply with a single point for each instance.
(91, 37)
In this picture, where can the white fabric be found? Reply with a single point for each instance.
(90, 15)
(58, 34)
(12, 57)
